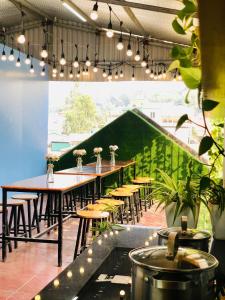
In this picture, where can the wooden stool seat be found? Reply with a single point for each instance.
(132, 190)
(25, 196)
(97, 207)
(132, 186)
(91, 214)
(12, 202)
(141, 180)
(124, 193)
(109, 201)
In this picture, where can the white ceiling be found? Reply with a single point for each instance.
(155, 24)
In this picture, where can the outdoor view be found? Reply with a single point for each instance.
(79, 109)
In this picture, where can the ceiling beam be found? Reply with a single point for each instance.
(134, 19)
(31, 9)
(85, 16)
(148, 7)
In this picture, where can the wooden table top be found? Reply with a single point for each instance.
(91, 171)
(119, 163)
(61, 183)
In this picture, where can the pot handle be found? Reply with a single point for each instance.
(171, 285)
(184, 220)
(172, 245)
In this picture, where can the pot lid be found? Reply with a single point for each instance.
(189, 234)
(186, 259)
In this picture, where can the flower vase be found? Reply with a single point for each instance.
(99, 161)
(79, 164)
(50, 174)
(113, 159)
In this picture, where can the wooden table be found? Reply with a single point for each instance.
(89, 170)
(122, 164)
(62, 184)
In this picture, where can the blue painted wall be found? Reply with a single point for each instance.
(23, 120)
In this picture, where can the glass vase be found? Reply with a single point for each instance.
(98, 161)
(50, 174)
(113, 159)
(79, 163)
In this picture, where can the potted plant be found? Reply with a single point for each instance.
(178, 198)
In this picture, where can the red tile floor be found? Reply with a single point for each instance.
(31, 266)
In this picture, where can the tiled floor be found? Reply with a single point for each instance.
(30, 267)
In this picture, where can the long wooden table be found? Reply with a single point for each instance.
(62, 184)
(100, 173)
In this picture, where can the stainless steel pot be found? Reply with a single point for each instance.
(172, 273)
(193, 238)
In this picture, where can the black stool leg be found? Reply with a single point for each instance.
(23, 221)
(78, 238)
(29, 219)
(36, 217)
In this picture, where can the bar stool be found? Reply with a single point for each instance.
(85, 217)
(138, 194)
(16, 216)
(119, 204)
(7, 232)
(126, 196)
(29, 198)
(146, 183)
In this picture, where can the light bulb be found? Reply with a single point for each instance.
(21, 39)
(3, 57)
(160, 76)
(116, 75)
(94, 13)
(120, 44)
(44, 52)
(61, 74)
(109, 33)
(78, 74)
(147, 70)
(95, 69)
(54, 70)
(83, 72)
(137, 56)
(104, 73)
(42, 62)
(27, 60)
(31, 69)
(144, 63)
(43, 72)
(71, 74)
(88, 63)
(164, 75)
(54, 75)
(11, 56)
(129, 50)
(110, 76)
(76, 63)
(133, 77)
(62, 60)
(121, 74)
(86, 72)
(155, 77)
(152, 74)
(18, 63)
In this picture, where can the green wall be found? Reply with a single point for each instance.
(141, 139)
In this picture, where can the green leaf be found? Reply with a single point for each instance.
(191, 77)
(208, 105)
(177, 27)
(221, 125)
(205, 144)
(181, 121)
(204, 183)
(185, 63)
(174, 65)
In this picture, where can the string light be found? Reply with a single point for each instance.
(94, 13)
(61, 74)
(54, 75)
(120, 45)
(71, 73)
(110, 78)
(44, 52)
(28, 60)
(104, 73)
(109, 32)
(152, 73)
(43, 71)
(42, 62)
(21, 38)
(129, 50)
(147, 70)
(18, 63)
(62, 59)
(121, 74)
(78, 73)
(95, 69)
(87, 62)
(133, 75)
(76, 61)
(31, 66)
(54, 69)
(137, 56)
(116, 75)
(144, 63)
(86, 72)
(3, 57)
(11, 54)
(164, 73)
(83, 71)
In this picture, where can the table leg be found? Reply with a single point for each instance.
(121, 177)
(60, 229)
(134, 171)
(4, 224)
(99, 187)
(93, 191)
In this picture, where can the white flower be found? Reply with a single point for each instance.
(79, 152)
(113, 148)
(97, 150)
(52, 157)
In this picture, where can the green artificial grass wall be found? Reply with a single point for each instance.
(139, 139)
